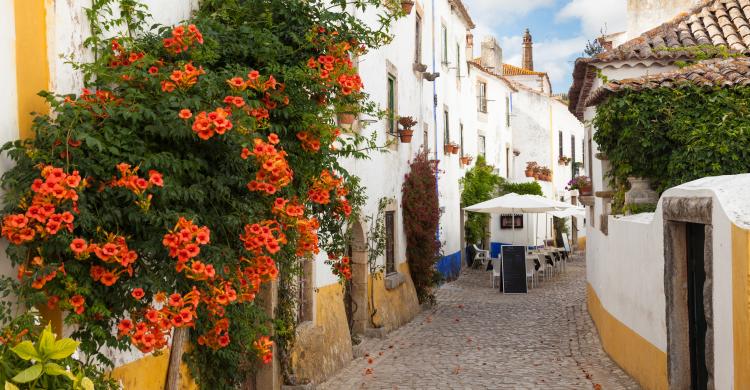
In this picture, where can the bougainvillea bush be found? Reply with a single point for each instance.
(421, 209)
(200, 162)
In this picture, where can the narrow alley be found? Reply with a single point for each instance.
(476, 339)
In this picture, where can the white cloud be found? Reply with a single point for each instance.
(489, 14)
(596, 16)
(554, 56)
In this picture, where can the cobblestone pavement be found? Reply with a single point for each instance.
(477, 338)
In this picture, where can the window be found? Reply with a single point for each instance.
(573, 149)
(446, 128)
(391, 126)
(482, 104)
(458, 61)
(418, 40)
(560, 143)
(444, 35)
(507, 163)
(390, 255)
(481, 145)
(461, 138)
(507, 111)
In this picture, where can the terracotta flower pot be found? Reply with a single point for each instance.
(448, 148)
(529, 173)
(407, 5)
(346, 118)
(455, 149)
(587, 190)
(406, 135)
(465, 160)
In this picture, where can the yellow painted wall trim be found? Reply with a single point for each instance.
(32, 65)
(741, 306)
(150, 373)
(642, 360)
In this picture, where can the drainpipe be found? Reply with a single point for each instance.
(434, 115)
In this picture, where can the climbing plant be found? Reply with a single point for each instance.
(200, 161)
(675, 135)
(479, 184)
(421, 215)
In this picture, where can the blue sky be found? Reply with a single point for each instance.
(560, 29)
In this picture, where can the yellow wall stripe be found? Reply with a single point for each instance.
(741, 306)
(32, 66)
(642, 360)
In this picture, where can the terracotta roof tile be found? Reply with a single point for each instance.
(721, 72)
(512, 70)
(715, 22)
(723, 23)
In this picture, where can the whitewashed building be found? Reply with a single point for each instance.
(637, 266)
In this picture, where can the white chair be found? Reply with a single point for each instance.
(481, 257)
(530, 269)
(497, 266)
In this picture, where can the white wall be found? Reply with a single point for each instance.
(626, 267)
(8, 98)
(644, 15)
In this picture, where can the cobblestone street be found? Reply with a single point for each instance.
(477, 338)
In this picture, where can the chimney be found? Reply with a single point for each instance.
(528, 51)
(492, 55)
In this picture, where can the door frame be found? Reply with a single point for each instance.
(677, 212)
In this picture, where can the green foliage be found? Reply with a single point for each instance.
(31, 358)
(204, 180)
(530, 188)
(421, 212)
(639, 208)
(479, 184)
(675, 135)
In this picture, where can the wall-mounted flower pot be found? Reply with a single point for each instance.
(346, 118)
(529, 173)
(587, 190)
(407, 5)
(406, 135)
(448, 148)
(455, 149)
(465, 160)
(601, 156)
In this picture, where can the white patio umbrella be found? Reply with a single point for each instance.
(514, 203)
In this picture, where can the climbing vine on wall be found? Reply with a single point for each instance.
(201, 161)
(421, 214)
(478, 185)
(675, 135)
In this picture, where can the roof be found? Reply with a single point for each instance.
(476, 63)
(512, 70)
(463, 11)
(722, 72)
(720, 23)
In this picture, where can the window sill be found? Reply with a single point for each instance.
(394, 280)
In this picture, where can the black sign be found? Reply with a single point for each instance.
(514, 269)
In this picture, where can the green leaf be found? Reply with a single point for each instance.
(55, 369)
(87, 384)
(62, 349)
(26, 351)
(29, 374)
(46, 341)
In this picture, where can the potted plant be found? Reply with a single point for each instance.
(546, 174)
(563, 160)
(406, 132)
(407, 5)
(346, 115)
(448, 148)
(530, 167)
(455, 148)
(582, 184)
(466, 159)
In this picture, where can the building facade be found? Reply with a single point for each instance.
(637, 265)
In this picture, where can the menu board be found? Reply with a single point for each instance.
(514, 269)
